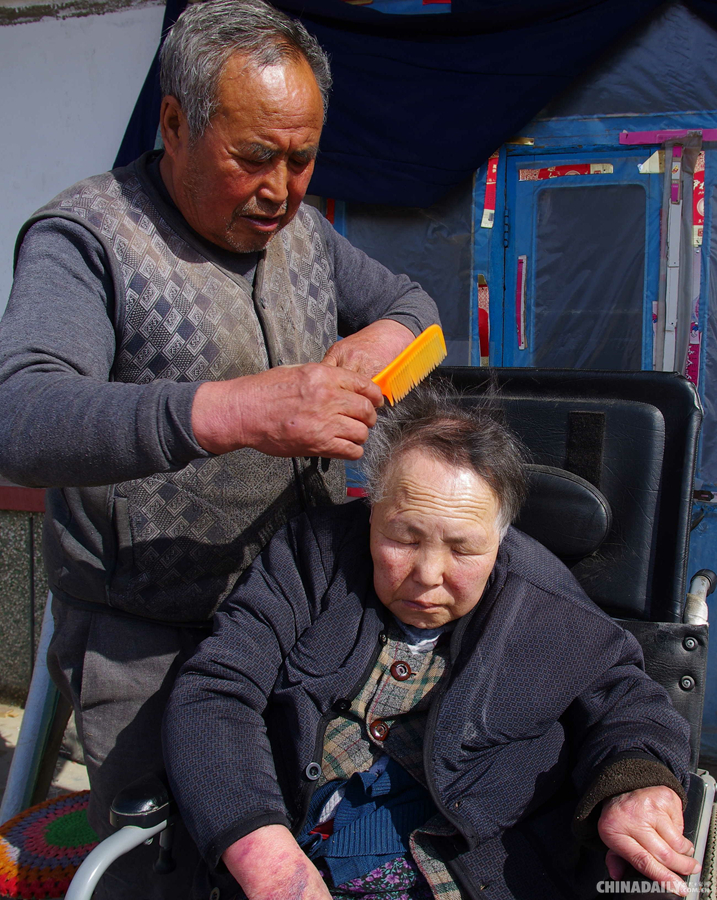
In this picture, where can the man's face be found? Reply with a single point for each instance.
(244, 178)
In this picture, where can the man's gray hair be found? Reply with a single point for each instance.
(462, 431)
(207, 34)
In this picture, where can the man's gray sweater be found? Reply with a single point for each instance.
(91, 404)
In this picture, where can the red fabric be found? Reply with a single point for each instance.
(23, 499)
(325, 829)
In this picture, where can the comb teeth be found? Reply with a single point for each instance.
(412, 365)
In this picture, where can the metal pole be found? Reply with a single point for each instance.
(36, 724)
(674, 239)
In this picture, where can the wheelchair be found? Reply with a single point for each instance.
(611, 486)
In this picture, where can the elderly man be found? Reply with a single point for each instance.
(417, 700)
(170, 366)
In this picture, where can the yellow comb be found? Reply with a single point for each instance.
(412, 365)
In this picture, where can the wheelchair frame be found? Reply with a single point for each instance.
(681, 616)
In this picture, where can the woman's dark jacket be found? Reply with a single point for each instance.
(546, 703)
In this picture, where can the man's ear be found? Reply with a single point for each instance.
(173, 125)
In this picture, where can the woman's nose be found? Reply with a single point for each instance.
(428, 568)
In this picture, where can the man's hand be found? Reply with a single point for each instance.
(308, 410)
(370, 350)
(644, 828)
(270, 865)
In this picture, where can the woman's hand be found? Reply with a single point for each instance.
(270, 865)
(644, 828)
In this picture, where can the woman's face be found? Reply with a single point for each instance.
(434, 540)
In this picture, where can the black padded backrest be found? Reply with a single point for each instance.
(633, 436)
(621, 456)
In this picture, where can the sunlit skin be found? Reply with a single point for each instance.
(244, 178)
(434, 540)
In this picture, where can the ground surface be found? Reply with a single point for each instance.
(69, 776)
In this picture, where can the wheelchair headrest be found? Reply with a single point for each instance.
(566, 513)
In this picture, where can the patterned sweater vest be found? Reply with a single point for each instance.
(183, 537)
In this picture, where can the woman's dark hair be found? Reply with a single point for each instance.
(460, 430)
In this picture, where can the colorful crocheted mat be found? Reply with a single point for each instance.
(42, 848)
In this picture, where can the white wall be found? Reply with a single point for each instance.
(67, 90)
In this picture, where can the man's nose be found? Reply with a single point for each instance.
(275, 185)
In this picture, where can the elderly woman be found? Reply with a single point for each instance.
(412, 699)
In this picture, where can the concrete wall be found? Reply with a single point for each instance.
(23, 592)
(70, 74)
(68, 84)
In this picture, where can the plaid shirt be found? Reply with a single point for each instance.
(350, 746)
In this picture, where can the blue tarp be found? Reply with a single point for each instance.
(420, 101)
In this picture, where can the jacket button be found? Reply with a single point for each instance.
(313, 771)
(341, 705)
(214, 894)
(379, 729)
(401, 671)
(383, 637)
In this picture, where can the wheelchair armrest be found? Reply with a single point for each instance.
(700, 795)
(144, 803)
(698, 818)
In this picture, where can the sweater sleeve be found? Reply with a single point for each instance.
(619, 775)
(629, 736)
(368, 291)
(217, 749)
(64, 421)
